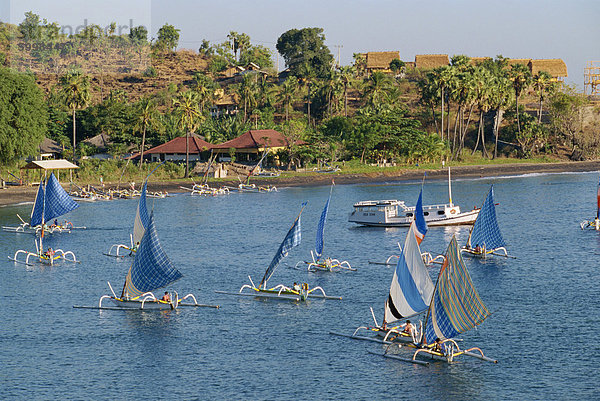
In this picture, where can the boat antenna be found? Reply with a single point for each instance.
(423, 181)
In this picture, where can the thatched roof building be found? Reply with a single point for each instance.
(514, 61)
(380, 61)
(431, 61)
(478, 60)
(555, 67)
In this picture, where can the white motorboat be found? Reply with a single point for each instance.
(395, 213)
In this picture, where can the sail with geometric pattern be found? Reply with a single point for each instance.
(151, 268)
(486, 232)
(456, 306)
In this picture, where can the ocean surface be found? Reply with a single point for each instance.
(543, 328)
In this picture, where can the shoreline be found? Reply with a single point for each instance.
(14, 195)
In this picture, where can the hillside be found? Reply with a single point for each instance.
(176, 68)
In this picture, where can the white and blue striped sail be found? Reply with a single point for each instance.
(291, 240)
(411, 288)
(321, 228)
(151, 268)
(52, 201)
(142, 219)
(486, 232)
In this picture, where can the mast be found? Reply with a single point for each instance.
(449, 187)
(598, 209)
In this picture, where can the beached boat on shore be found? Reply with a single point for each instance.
(395, 213)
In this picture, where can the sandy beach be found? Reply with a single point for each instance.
(18, 194)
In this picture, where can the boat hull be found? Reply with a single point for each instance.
(150, 305)
(466, 218)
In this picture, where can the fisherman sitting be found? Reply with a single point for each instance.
(49, 253)
(439, 347)
(409, 328)
(166, 297)
(296, 287)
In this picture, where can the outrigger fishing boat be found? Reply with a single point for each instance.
(49, 256)
(319, 263)
(410, 291)
(141, 221)
(454, 308)
(51, 202)
(593, 224)
(151, 269)
(296, 292)
(395, 213)
(485, 237)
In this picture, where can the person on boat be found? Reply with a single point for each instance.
(438, 346)
(166, 297)
(134, 248)
(409, 328)
(49, 253)
(55, 224)
(477, 248)
(296, 287)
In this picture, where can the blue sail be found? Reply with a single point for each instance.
(151, 268)
(321, 228)
(37, 213)
(456, 306)
(486, 232)
(420, 223)
(56, 202)
(411, 288)
(142, 219)
(291, 240)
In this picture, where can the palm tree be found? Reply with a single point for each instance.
(482, 85)
(188, 111)
(307, 75)
(75, 91)
(205, 87)
(501, 99)
(376, 87)
(521, 79)
(146, 117)
(541, 84)
(441, 78)
(247, 91)
(346, 74)
(286, 94)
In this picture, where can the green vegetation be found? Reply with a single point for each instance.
(23, 116)
(142, 94)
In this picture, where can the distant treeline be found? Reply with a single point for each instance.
(395, 115)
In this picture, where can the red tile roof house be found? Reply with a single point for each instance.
(251, 144)
(174, 150)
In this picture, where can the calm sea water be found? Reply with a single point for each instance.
(542, 329)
